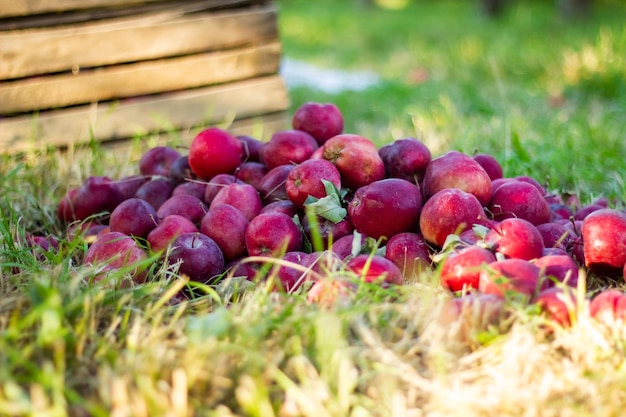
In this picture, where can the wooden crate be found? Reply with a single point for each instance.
(73, 71)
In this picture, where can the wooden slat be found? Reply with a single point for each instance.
(153, 36)
(142, 78)
(128, 118)
(36, 7)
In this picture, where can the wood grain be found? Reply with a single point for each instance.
(145, 37)
(134, 117)
(128, 80)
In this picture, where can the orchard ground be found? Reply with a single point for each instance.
(545, 96)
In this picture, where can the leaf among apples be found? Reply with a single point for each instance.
(329, 207)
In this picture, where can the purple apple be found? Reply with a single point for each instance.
(180, 171)
(251, 173)
(194, 188)
(158, 160)
(251, 148)
(271, 234)
(397, 201)
(133, 217)
(226, 225)
(457, 170)
(214, 151)
(281, 206)
(449, 211)
(200, 257)
(320, 120)
(97, 195)
(156, 191)
(129, 185)
(273, 186)
(328, 230)
(406, 159)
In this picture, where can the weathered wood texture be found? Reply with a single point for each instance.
(179, 110)
(167, 66)
(121, 40)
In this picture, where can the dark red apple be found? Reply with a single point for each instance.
(449, 211)
(214, 151)
(460, 269)
(305, 180)
(409, 252)
(532, 181)
(556, 235)
(272, 234)
(194, 188)
(156, 191)
(519, 199)
(158, 160)
(375, 268)
(558, 304)
(320, 120)
(516, 238)
(129, 185)
(327, 230)
(273, 186)
(241, 196)
(457, 170)
(604, 242)
(288, 147)
(561, 268)
(180, 171)
(280, 206)
(251, 173)
(251, 148)
(133, 217)
(97, 195)
(226, 225)
(215, 184)
(490, 164)
(168, 229)
(509, 276)
(115, 250)
(406, 159)
(288, 278)
(199, 257)
(184, 205)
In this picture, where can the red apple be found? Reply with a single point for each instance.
(558, 304)
(457, 170)
(386, 207)
(561, 268)
(604, 242)
(516, 238)
(115, 250)
(158, 161)
(271, 234)
(515, 276)
(241, 196)
(406, 159)
(461, 268)
(490, 164)
(608, 307)
(375, 268)
(409, 252)
(449, 211)
(519, 199)
(133, 217)
(356, 158)
(305, 180)
(226, 225)
(199, 256)
(168, 229)
(320, 120)
(288, 147)
(214, 151)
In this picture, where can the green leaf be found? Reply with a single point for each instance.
(329, 207)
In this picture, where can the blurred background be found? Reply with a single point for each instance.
(531, 84)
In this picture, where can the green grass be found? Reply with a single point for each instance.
(545, 96)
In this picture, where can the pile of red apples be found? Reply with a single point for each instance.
(313, 203)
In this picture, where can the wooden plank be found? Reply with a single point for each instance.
(42, 51)
(132, 117)
(128, 80)
(99, 8)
